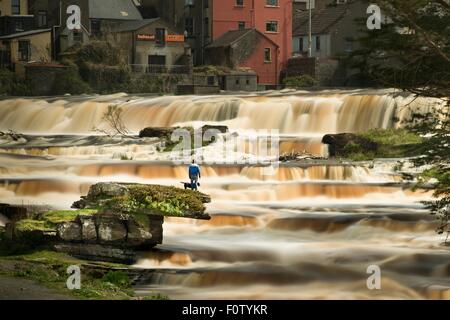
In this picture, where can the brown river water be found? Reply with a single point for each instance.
(307, 230)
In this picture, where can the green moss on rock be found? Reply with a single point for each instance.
(159, 200)
(60, 216)
(29, 225)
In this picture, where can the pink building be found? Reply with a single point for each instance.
(272, 18)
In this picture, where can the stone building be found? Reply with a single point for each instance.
(152, 46)
(334, 28)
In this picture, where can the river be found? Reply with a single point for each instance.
(305, 231)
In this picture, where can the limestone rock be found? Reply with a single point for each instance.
(88, 229)
(137, 235)
(69, 231)
(110, 229)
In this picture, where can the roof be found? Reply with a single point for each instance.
(114, 10)
(321, 22)
(133, 25)
(233, 36)
(24, 34)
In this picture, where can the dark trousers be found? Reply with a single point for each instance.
(194, 181)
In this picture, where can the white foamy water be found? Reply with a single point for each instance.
(309, 230)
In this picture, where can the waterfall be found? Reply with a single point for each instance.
(295, 114)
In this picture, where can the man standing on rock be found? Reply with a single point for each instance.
(194, 174)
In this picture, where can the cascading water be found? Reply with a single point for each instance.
(305, 231)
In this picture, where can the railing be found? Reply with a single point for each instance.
(154, 68)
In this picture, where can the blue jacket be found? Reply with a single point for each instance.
(194, 170)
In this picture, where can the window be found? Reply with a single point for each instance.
(42, 18)
(247, 82)
(189, 3)
(24, 50)
(241, 25)
(318, 43)
(18, 26)
(238, 82)
(240, 3)
(349, 45)
(206, 27)
(272, 3)
(300, 44)
(77, 36)
(211, 80)
(15, 6)
(189, 26)
(95, 27)
(272, 26)
(160, 36)
(267, 55)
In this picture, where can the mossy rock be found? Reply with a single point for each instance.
(138, 199)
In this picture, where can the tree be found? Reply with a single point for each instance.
(412, 53)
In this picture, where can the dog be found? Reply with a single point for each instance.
(188, 185)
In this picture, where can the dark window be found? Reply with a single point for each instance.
(15, 6)
(77, 36)
(241, 25)
(18, 26)
(272, 3)
(189, 26)
(267, 55)
(238, 82)
(300, 44)
(318, 43)
(206, 27)
(95, 27)
(24, 50)
(42, 18)
(247, 82)
(240, 3)
(272, 26)
(206, 4)
(157, 64)
(160, 36)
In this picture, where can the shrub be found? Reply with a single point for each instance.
(11, 84)
(70, 81)
(117, 278)
(300, 81)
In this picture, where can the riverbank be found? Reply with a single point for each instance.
(43, 275)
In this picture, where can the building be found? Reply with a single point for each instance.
(20, 42)
(271, 18)
(97, 17)
(14, 17)
(242, 49)
(205, 21)
(190, 17)
(151, 46)
(334, 28)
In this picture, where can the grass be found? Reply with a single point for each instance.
(28, 225)
(392, 143)
(60, 216)
(50, 269)
(49, 220)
